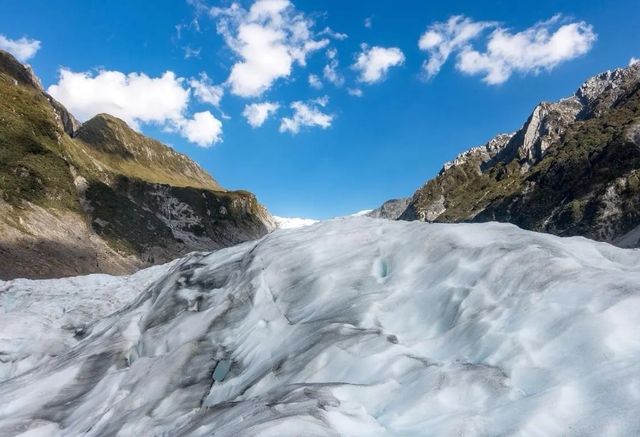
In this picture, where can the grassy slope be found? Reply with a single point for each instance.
(573, 178)
(567, 184)
(38, 163)
(32, 163)
(116, 147)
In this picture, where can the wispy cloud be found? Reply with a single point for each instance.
(315, 82)
(307, 114)
(368, 22)
(542, 46)
(330, 71)
(205, 91)
(441, 39)
(327, 31)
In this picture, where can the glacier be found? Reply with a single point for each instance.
(353, 326)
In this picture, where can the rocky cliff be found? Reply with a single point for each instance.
(391, 209)
(100, 197)
(572, 169)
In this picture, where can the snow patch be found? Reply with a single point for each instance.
(293, 222)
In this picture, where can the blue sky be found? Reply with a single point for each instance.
(357, 151)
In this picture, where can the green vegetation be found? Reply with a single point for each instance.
(568, 192)
(131, 184)
(31, 163)
(120, 149)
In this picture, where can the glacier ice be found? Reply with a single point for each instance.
(353, 326)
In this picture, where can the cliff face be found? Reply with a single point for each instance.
(572, 169)
(100, 197)
(391, 209)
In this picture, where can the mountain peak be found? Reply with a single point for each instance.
(571, 169)
(133, 154)
(20, 72)
(101, 197)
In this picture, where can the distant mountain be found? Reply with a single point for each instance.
(391, 209)
(99, 197)
(572, 169)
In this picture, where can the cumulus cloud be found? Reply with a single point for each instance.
(633, 61)
(139, 99)
(307, 114)
(542, 46)
(23, 49)
(315, 82)
(269, 39)
(441, 39)
(135, 97)
(356, 92)
(373, 63)
(205, 91)
(257, 113)
(203, 129)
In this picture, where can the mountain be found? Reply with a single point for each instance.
(350, 327)
(98, 196)
(391, 209)
(572, 169)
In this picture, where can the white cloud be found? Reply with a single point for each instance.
(269, 38)
(374, 63)
(541, 47)
(203, 129)
(356, 92)
(205, 91)
(327, 31)
(441, 39)
(138, 99)
(191, 53)
(315, 82)
(257, 113)
(368, 22)
(135, 97)
(307, 114)
(321, 101)
(330, 71)
(633, 61)
(23, 49)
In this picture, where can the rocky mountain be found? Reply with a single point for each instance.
(391, 209)
(98, 196)
(572, 169)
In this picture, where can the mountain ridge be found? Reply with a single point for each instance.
(97, 196)
(571, 169)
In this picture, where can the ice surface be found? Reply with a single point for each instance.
(357, 326)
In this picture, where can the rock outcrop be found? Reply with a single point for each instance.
(572, 169)
(100, 197)
(391, 209)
